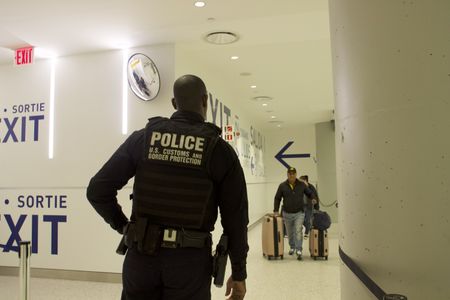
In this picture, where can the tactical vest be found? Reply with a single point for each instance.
(172, 184)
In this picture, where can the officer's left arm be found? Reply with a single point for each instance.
(233, 204)
(115, 173)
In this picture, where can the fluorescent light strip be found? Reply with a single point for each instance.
(51, 127)
(124, 92)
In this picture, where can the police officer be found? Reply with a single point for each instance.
(184, 171)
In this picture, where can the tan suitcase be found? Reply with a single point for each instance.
(272, 237)
(318, 243)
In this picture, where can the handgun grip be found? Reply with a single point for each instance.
(122, 248)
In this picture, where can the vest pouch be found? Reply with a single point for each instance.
(194, 239)
(148, 237)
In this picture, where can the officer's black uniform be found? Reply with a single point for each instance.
(184, 171)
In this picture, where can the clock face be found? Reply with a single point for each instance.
(143, 77)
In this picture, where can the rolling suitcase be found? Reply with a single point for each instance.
(318, 243)
(272, 237)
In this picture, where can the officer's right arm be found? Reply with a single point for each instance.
(115, 173)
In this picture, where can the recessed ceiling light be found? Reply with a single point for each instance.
(273, 117)
(253, 86)
(199, 4)
(221, 37)
(279, 125)
(234, 57)
(264, 104)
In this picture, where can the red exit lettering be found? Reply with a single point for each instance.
(24, 56)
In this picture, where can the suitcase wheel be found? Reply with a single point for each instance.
(315, 257)
(281, 256)
(326, 257)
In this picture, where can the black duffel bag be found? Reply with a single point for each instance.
(321, 220)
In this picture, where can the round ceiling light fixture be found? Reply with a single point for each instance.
(221, 37)
(264, 99)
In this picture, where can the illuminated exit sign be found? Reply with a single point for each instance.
(24, 56)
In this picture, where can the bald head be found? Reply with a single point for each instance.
(190, 94)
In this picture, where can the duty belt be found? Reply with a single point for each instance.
(149, 238)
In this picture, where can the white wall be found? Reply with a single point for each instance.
(88, 128)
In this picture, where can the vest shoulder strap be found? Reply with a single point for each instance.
(155, 120)
(213, 127)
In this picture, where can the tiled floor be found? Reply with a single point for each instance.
(286, 279)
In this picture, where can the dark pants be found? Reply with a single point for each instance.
(175, 274)
(307, 221)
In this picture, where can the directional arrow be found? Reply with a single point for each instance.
(279, 156)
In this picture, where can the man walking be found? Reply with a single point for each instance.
(291, 193)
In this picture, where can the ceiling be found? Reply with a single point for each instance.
(284, 45)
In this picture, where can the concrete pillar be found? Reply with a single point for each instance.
(391, 65)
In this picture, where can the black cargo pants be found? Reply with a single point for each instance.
(173, 274)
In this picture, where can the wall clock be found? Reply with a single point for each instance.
(143, 77)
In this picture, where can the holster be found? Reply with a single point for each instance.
(220, 261)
